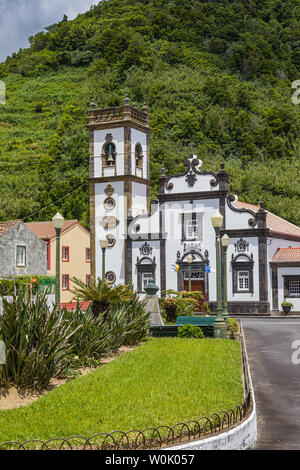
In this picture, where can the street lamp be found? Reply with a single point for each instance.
(225, 240)
(190, 260)
(220, 324)
(104, 244)
(58, 222)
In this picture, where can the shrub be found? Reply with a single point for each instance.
(179, 303)
(92, 337)
(190, 331)
(37, 341)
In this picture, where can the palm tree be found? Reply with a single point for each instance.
(101, 294)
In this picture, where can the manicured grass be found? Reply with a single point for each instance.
(163, 381)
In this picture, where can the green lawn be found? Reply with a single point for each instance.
(163, 381)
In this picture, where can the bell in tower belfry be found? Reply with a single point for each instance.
(119, 157)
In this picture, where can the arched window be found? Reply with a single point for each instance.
(110, 154)
(139, 156)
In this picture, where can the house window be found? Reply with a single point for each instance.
(65, 254)
(88, 279)
(294, 288)
(21, 255)
(88, 255)
(65, 282)
(243, 280)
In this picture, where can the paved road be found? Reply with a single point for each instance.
(276, 381)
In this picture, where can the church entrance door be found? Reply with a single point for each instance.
(197, 285)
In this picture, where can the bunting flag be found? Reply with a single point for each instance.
(175, 267)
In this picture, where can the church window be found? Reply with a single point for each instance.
(242, 274)
(139, 156)
(243, 280)
(192, 226)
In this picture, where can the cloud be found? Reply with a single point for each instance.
(20, 19)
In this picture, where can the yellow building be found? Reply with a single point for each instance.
(75, 253)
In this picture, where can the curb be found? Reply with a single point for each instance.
(242, 437)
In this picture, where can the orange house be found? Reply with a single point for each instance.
(75, 255)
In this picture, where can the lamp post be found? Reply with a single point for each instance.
(58, 222)
(220, 324)
(104, 244)
(225, 240)
(190, 260)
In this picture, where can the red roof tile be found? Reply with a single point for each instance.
(275, 223)
(5, 226)
(287, 255)
(46, 230)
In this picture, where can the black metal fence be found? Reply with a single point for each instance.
(150, 438)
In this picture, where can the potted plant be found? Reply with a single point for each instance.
(286, 307)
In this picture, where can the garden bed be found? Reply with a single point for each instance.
(162, 382)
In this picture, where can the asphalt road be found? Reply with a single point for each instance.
(276, 380)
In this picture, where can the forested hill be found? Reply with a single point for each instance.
(218, 73)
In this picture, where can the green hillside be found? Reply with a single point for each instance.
(218, 73)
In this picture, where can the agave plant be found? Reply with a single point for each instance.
(38, 341)
(100, 294)
(93, 339)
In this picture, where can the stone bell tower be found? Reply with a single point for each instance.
(119, 184)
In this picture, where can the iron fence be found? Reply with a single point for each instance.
(150, 438)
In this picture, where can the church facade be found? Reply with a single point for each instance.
(146, 239)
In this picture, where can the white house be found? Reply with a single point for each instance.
(146, 239)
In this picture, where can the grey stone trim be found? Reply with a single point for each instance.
(128, 257)
(250, 232)
(263, 268)
(275, 306)
(294, 264)
(163, 268)
(192, 196)
(111, 179)
(239, 307)
(284, 236)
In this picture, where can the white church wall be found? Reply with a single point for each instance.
(99, 141)
(294, 300)
(237, 220)
(174, 243)
(115, 255)
(139, 199)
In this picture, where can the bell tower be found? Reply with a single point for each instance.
(119, 184)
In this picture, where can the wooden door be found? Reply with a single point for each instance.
(196, 286)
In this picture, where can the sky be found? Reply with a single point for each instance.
(20, 19)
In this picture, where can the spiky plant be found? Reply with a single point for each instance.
(100, 294)
(38, 342)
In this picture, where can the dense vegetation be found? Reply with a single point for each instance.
(162, 382)
(215, 72)
(43, 343)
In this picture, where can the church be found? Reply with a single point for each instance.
(134, 239)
